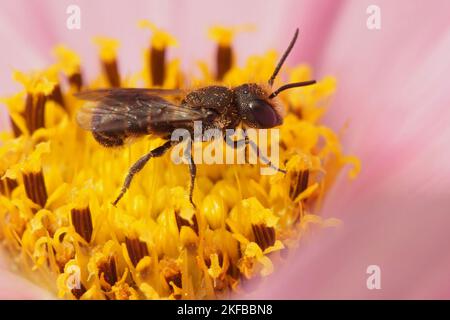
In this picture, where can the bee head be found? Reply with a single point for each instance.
(258, 105)
(256, 109)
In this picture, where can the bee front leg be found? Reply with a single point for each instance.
(138, 165)
(237, 144)
(263, 157)
(193, 173)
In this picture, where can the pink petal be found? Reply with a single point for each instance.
(15, 287)
(393, 91)
(316, 20)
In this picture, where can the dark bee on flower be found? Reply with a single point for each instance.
(123, 113)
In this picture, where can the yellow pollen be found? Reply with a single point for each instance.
(160, 38)
(38, 82)
(68, 61)
(107, 48)
(224, 35)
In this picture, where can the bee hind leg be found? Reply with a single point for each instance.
(139, 165)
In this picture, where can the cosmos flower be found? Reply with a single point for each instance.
(393, 214)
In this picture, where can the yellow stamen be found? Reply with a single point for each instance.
(82, 222)
(224, 52)
(69, 63)
(108, 56)
(157, 68)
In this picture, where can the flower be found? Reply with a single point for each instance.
(56, 212)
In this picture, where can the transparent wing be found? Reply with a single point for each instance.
(117, 110)
(125, 93)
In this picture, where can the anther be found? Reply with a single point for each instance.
(183, 222)
(108, 271)
(35, 187)
(82, 222)
(157, 66)
(299, 183)
(76, 80)
(111, 70)
(136, 250)
(7, 185)
(224, 58)
(35, 111)
(57, 96)
(264, 236)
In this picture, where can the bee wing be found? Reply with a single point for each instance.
(125, 93)
(115, 111)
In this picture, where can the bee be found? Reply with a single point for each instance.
(122, 113)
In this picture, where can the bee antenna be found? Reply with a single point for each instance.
(291, 85)
(285, 55)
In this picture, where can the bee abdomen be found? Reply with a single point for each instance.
(107, 136)
(108, 139)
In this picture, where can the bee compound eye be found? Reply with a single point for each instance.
(264, 114)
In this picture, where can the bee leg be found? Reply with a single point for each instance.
(138, 165)
(193, 172)
(236, 144)
(247, 141)
(263, 157)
